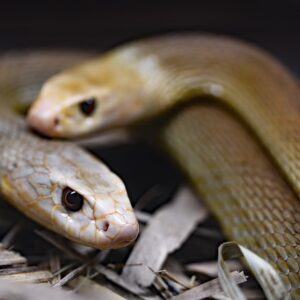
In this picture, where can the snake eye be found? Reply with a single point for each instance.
(88, 106)
(71, 200)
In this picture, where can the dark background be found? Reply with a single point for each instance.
(100, 24)
(274, 25)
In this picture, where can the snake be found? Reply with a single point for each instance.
(55, 183)
(226, 111)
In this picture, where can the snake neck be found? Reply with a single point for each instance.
(245, 79)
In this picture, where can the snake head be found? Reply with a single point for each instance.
(74, 194)
(98, 95)
(73, 115)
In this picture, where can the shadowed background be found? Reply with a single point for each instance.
(99, 25)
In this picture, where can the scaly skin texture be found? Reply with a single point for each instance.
(245, 163)
(35, 171)
(251, 200)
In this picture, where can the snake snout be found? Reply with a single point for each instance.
(38, 124)
(118, 231)
(43, 121)
(126, 235)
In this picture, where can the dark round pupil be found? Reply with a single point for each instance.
(72, 200)
(88, 106)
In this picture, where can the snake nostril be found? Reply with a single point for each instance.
(56, 122)
(105, 226)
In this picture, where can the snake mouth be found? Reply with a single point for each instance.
(122, 244)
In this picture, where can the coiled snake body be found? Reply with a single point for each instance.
(238, 140)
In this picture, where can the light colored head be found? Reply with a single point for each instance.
(71, 192)
(97, 95)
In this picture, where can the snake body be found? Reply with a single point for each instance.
(34, 172)
(237, 140)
